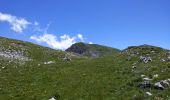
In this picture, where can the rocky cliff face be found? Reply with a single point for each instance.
(80, 48)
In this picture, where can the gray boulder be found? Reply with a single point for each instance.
(158, 86)
(147, 79)
(145, 59)
(148, 94)
(168, 80)
(163, 60)
(67, 59)
(165, 82)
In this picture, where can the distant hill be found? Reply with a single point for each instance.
(92, 50)
(33, 72)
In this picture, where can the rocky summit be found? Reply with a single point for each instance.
(84, 71)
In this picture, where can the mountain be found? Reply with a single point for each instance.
(33, 72)
(92, 50)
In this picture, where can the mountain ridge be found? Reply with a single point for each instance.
(92, 50)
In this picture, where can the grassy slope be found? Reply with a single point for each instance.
(157, 66)
(103, 78)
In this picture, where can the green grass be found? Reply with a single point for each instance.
(83, 78)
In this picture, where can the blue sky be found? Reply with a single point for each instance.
(115, 23)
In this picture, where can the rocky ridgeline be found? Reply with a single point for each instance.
(146, 54)
(79, 48)
(92, 50)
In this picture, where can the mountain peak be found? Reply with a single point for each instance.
(92, 50)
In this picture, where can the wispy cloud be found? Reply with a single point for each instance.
(80, 36)
(17, 24)
(62, 43)
(38, 29)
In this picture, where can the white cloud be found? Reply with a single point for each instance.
(80, 36)
(63, 43)
(90, 42)
(38, 29)
(17, 24)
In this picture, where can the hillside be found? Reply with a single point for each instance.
(92, 50)
(33, 72)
